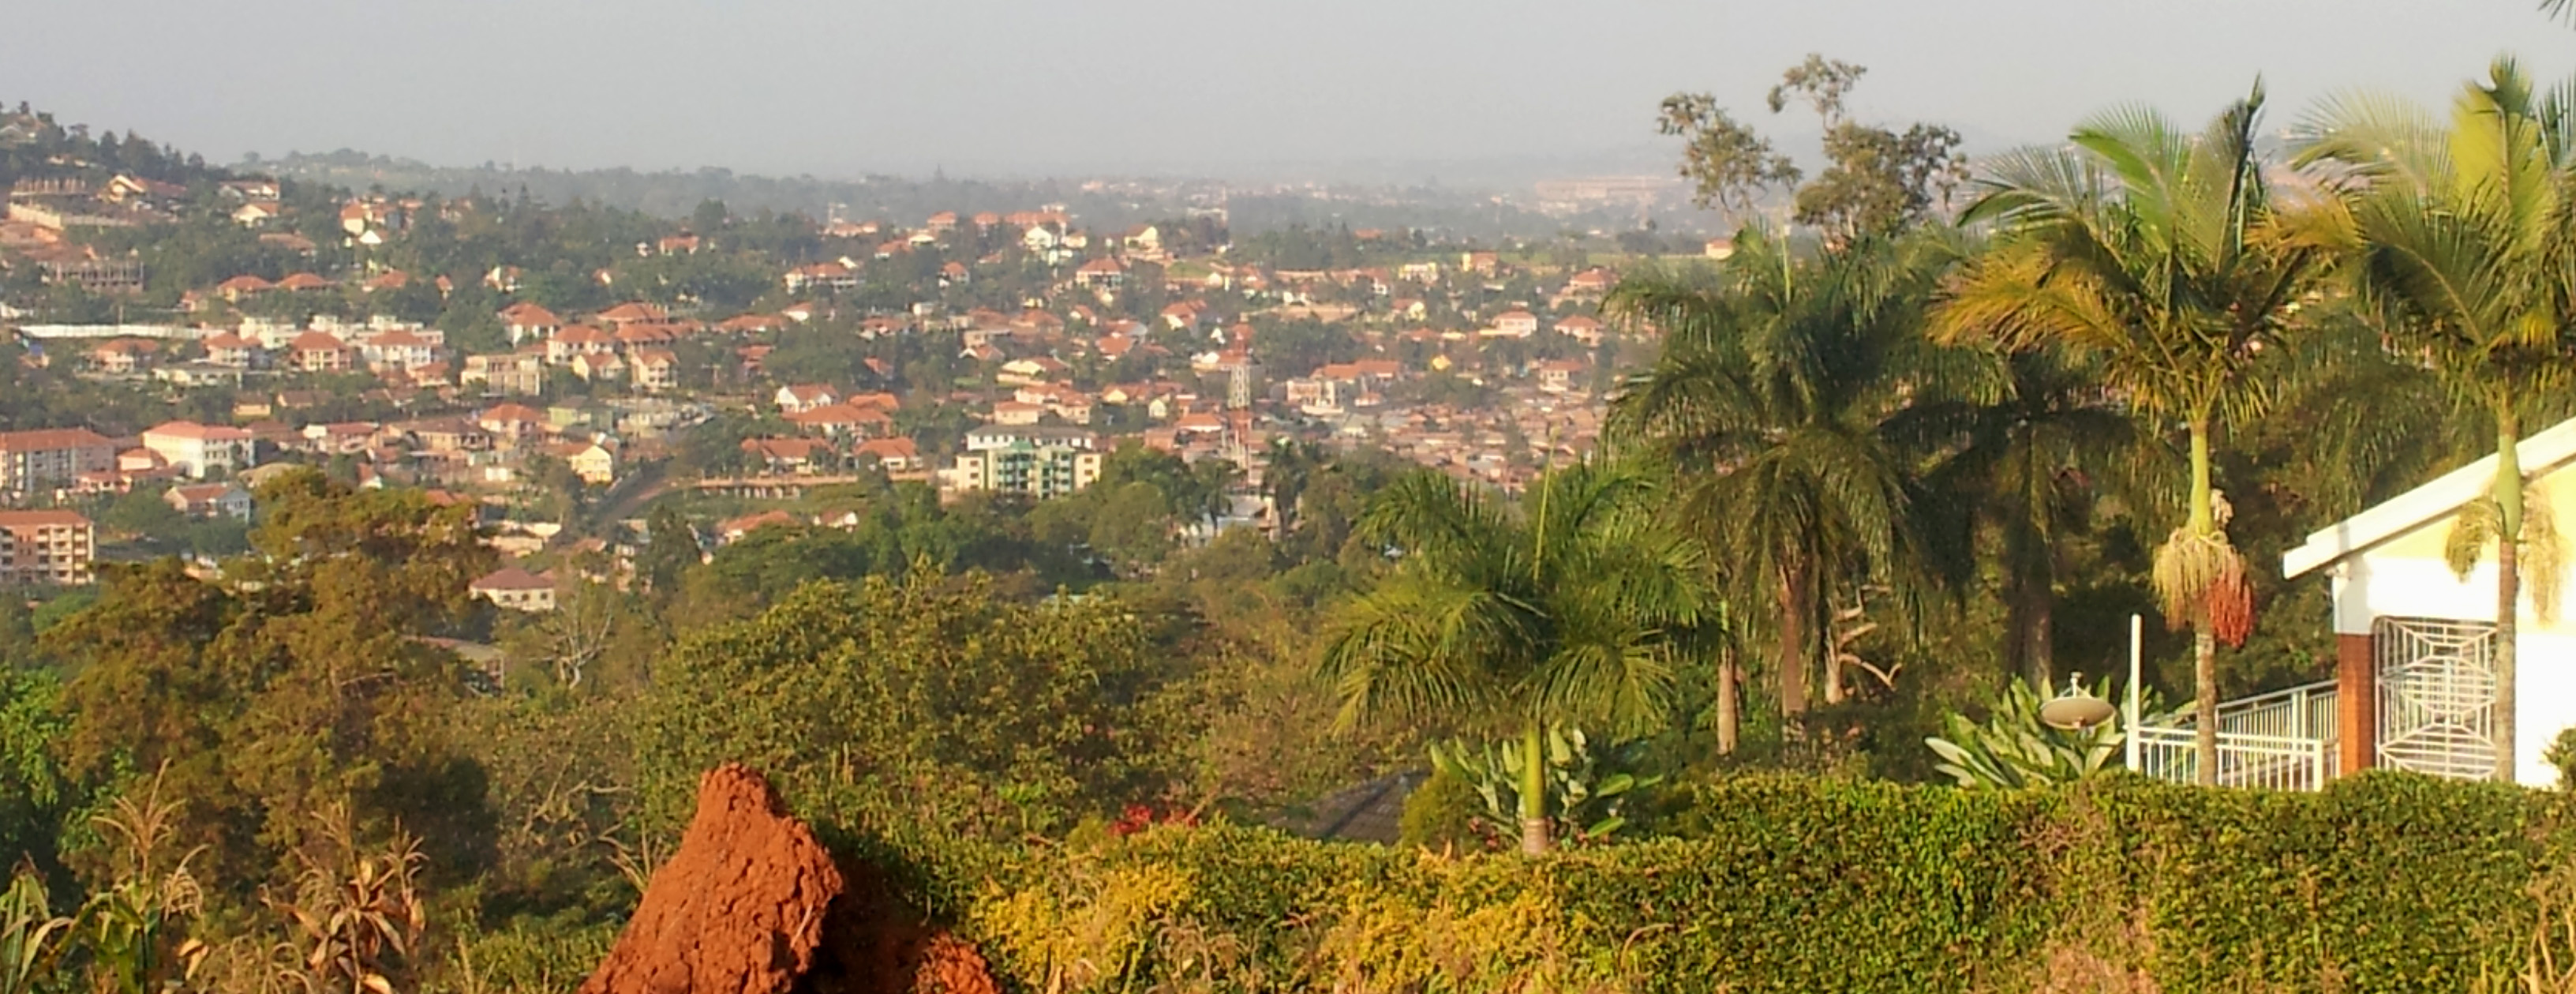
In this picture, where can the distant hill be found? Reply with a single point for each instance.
(34, 146)
(1106, 203)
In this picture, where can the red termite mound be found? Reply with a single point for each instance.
(752, 903)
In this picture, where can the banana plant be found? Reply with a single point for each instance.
(2015, 749)
(1587, 788)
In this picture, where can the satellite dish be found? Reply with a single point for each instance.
(2076, 709)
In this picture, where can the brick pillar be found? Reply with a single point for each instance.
(2356, 702)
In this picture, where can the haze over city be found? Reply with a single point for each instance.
(1410, 91)
(983, 496)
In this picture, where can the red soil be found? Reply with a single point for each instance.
(752, 903)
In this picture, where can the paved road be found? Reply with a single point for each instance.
(628, 496)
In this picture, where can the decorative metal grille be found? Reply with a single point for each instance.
(2437, 691)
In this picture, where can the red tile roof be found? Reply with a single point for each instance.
(191, 429)
(48, 439)
(14, 520)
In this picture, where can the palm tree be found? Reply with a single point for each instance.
(1566, 608)
(1798, 396)
(2029, 467)
(2462, 241)
(2156, 256)
(1292, 465)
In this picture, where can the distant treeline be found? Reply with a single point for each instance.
(1449, 213)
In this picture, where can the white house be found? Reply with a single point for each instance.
(208, 500)
(516, 589)
(2415, 685)
(1512, 324)
(200, 450)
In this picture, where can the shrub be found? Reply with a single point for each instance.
(1442, 814)
(2386, 882)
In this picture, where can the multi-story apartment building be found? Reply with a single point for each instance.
(1023, 467)
(509, 373)
(32, 461)
(46, 547)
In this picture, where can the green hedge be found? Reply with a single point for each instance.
(2384, 883)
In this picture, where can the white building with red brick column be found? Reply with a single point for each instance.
(2415, 684)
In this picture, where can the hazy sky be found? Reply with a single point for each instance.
(840, 87)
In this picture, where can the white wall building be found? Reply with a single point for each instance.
(2415, 685)
(199, 450)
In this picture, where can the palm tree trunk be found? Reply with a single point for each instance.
(1730, 702)
(1534, 827)
(2029, 597)
(2204, 643)
(2508, 494)
(2204, 700)
(1830, 640)
(2016, 647)
(1794, 614)
(2039, 631)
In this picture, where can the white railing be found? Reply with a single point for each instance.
(2283, 740)
(2299, 712)
(2269, 762)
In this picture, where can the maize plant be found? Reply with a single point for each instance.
(356, 916)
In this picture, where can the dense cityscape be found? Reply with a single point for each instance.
(1853, 555)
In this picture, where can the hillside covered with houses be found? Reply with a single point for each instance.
(567, 366)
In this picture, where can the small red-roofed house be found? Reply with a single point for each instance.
(1101, 274)
(798, 398)
(733, 531)
(655, 369)
(841, 420)
(598, 367)
(633, 311)
(879, 400)
(1512, 324)
(238, 287)
(821, 275)
(512, 423)
(788, 455)
(896, 455)
(318, 352)
(1561, 375)
(515, 589)
(577, 340)
(209, 500)
(397, 350)
(527, 321)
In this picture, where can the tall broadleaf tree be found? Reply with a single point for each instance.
(1566, 607)
(2157, 255)
(1798, 400)
(2461, 238)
